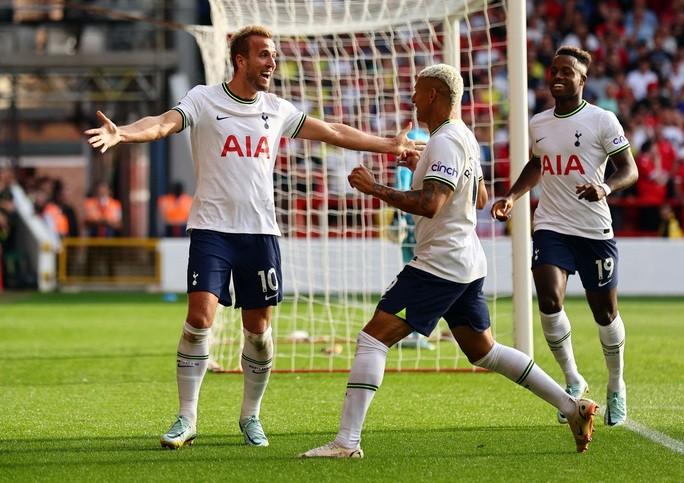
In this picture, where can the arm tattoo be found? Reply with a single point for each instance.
(422, 202)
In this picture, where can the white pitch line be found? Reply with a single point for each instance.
(655, 436)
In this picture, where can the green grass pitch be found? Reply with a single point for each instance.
(87, 385)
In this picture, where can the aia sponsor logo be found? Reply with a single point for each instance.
(561, 166)
(248, 148)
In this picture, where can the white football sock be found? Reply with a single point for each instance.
(365, 378)
(557, 331)
(612, 338)
(257, 360)
(192, 359)
(518, 367)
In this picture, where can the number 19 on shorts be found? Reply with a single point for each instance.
(605, 269)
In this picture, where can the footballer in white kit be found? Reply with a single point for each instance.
(445, 278)
(233, 207)
(446, 274)
(571, 145)
(573, 149)
(237, 142)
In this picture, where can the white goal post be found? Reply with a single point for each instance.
(355, 62)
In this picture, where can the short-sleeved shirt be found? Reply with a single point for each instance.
(573, 149)
(447, 245)
(234, 148)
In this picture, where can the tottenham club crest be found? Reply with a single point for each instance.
(577, 136)
(264, 117)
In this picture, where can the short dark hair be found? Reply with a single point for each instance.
(239, 41)
(582, 56)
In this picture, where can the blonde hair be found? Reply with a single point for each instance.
(239, 41)
(449, 76)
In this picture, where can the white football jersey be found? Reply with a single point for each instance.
(447, 245)
(573, 150)
(234, 148)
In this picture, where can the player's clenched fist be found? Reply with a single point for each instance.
(362, 179)
(501, 209)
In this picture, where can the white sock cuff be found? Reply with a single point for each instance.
(252, 337)
(617, 321)
(368, 341)
(554, 318)
(614, 330)
(490, 360)
(200, 334)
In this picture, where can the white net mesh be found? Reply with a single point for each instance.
(354, 62)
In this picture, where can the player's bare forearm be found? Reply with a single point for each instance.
(141, 131)
(482, 195)
(150, 128)
(423, 202)
(351, 138)
(626, 171)
(528, 179)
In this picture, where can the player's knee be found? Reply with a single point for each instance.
(550, 305)
(475, 346)
(200, 319)
(605, 316)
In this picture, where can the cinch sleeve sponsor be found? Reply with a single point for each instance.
(444, 162)
(612, 135)
(188, 107)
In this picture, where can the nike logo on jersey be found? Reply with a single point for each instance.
(605, 282)
(219, 118)
(269, 297)
(537, 140)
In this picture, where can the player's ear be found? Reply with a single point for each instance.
(240, 60)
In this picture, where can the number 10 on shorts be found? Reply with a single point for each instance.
(269, 280)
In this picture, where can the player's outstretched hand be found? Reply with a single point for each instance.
(590, 192)
(404, 144)
(362, 179)
(105, 136)
(501, 209)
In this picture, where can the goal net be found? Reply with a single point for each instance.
(355, 62)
